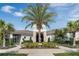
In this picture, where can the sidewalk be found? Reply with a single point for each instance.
(68, 49)
(10, 50)
(41, 52)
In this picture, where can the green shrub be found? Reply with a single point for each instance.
(49, 45)
(77, 42)
(30, 45)
(44, 45)
(34, 45)
(25, 45)
(53, 45)
(9, 43)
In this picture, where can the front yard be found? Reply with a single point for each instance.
(13, 54)
(67, 54)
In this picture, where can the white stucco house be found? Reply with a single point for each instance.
(20, 35)
(70, 35)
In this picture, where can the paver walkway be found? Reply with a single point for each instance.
(68, 49)
(41, 52)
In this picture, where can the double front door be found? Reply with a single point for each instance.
(41, 37)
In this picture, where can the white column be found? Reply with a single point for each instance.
(52, 37)
(11, 36)
(34, 37)
(3, 42)
(45, 37)
(21, 39)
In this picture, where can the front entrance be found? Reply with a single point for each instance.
(41, 36)
(16, 38)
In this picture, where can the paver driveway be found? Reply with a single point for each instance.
(41, 52)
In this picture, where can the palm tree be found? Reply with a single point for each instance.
(1, 29)
(73, 26)
(4, 29)
(9, 29)
(37, 15)
(60, 34)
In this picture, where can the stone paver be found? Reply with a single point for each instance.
(41, 52)
(68, 49)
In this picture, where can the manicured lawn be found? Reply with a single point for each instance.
(13, 54)
(70, 46)
(67, 54)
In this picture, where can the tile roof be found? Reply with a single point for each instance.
(23, 32)
(28, 33)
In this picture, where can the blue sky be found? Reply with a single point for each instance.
(11, 13)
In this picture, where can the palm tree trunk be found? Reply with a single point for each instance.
(10, 42)
(39, 36)
(74, 41)
(3, 40)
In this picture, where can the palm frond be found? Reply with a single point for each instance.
(31, 24)
(38, 14)
(27, 18)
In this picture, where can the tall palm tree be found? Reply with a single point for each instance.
(37, 15)
(73, 26)
(4, 29)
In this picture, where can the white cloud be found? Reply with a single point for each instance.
(7, 8)
(74, 13)
(12, 11)
(20, 14)
(73, 19)
(57, 4)
(75, 16)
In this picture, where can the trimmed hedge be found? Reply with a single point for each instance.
(29, 45)
(50, 45)
(43, 45)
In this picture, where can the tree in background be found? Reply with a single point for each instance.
(4, 29)
(60, 35)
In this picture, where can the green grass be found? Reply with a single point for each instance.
(67, 54)
(12, 54)
(70, 46)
